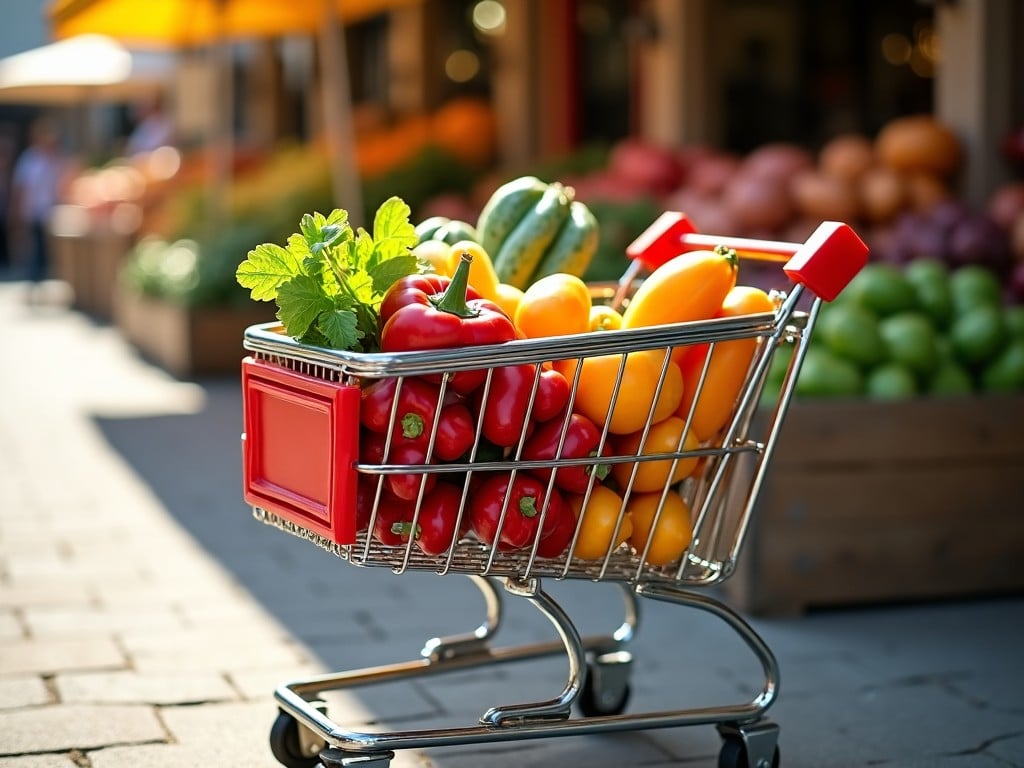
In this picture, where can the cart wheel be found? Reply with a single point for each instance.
(606, 689)
(286, 745)
(734, 755)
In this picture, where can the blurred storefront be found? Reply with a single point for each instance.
(438, 101)
(561, 74)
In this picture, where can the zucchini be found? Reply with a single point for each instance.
(519, 254)
(574, 247)
(504, 209)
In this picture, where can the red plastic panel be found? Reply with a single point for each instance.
(299, 446)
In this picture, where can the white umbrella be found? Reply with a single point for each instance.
(85, 68)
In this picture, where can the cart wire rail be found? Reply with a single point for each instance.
(285, 381)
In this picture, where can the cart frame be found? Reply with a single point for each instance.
(723, 498)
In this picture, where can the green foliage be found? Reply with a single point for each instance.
(620, 225)
(329, 280)
(431, 172)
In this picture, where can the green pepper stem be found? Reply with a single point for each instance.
(729, 253)
(453, 300)
(412, 425)
(601, 471)
(405, 530)
(528, 506)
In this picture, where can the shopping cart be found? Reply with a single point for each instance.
(301, 395)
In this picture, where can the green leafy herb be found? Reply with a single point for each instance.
(329, 279)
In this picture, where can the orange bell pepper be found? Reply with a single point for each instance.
(556, 305)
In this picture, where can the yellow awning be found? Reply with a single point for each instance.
(181, 23)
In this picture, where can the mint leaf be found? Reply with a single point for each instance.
(309, 228)
(393, 233)
(298, 247)
(361, 250)
(361, 288)
(299, 302)
(330, 278)
(266, 268)
(386, 273)
(340, 328)
(338, 216)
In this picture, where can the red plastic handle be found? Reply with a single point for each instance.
(825, 263)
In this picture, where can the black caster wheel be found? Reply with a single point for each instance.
(286, 745)
(339, 758)
(734, 755)
(606, 689)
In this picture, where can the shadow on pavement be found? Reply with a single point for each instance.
(354, 617)
(193, 463)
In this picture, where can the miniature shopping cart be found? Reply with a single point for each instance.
(303, 467)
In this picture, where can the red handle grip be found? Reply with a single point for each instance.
(825, 263)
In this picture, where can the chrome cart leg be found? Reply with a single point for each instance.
(473, 643)
(558, 708)
(606, 688)
(750, 741)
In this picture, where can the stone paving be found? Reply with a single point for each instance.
(146, 618)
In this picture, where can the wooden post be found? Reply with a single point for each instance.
(339, 131)
(974, 86)
(514, 73)
(675, 101)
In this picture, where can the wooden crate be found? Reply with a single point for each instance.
(880, 502)
(199, 341)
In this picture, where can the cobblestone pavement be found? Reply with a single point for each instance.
(146, 618)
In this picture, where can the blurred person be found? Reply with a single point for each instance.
(153, 128)
(8, 151)
(38, 179)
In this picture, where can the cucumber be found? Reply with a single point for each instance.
(574, 246)
(505, 208)
(446, 230)
(520, 253)
(425, 229)
(456, 231)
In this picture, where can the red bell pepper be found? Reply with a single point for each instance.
(456, 431)
(390, 515)
(582, 438)
(417, 404)
(445, 320)
(527, 497)
(435, 531)
(553, 391)
(560, 536)
(508, 399)
(366, 496)
(404, 485)
(414, 415)
(415, 289)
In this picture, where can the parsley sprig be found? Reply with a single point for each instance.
(329, 279)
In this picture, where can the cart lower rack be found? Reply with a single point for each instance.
(650, 503)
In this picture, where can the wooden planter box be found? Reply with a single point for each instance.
(881, 502)
(88, 257)
(187, 342)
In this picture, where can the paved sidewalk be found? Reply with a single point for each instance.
(146, 617)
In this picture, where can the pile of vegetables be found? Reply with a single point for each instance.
(896, 189)
(917, 330)
(392, 292)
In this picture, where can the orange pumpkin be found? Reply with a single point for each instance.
(918, 143)
(466, 127)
